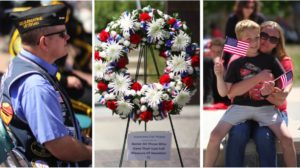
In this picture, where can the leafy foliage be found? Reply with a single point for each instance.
(106, 11)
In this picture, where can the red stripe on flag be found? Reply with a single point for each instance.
(236, 47)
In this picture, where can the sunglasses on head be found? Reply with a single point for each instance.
(61, 34)
(272, 39)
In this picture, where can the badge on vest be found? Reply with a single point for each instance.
(6, 113)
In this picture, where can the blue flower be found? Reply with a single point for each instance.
(169, 43)
(191, 49)
(177, 24)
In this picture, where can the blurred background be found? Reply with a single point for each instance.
(74, 70)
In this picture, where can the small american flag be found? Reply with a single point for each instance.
(285, 79)
(234, 46)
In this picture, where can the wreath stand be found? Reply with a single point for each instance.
(143, 53)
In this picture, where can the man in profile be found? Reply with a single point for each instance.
(34, 107)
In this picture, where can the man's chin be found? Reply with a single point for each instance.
(64, 55)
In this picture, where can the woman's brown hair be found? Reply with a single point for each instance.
(239, 5)
(279, 50)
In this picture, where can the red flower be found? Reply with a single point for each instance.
(171, 21)
(165, 78)
(111, 104)
(135, 38)
(144, 16)
(167, 105)
(136, 86)
(122, 62)
(103, 36)
(195, 61)
(163, 54)
(97, 56)
(188, 81)
(146, 116)
(102, 86)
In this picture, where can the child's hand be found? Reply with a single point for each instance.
(218, 68)
(267, 88)
(265, 75)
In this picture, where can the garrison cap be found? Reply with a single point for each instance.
(43, 16)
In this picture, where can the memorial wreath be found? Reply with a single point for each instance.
(127, 97)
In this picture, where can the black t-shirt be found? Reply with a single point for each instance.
(246, 67)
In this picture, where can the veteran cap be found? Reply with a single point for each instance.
(43, 16)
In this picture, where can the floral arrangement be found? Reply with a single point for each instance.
(127, 97)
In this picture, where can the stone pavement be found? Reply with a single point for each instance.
(110, 131)
(212, 117)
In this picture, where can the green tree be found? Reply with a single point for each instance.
(106, 11)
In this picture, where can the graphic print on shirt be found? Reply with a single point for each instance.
(247, 71)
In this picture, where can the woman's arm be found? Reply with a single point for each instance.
(279, 96)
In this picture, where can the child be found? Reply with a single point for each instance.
(243, 75)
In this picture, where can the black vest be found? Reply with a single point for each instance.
(24, 140)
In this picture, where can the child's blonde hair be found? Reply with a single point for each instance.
(241, 26)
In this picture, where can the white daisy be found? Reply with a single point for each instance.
(126, 22)
(153, 96)
(124, 107)
(180, 41)
(182, 97)
(178, 63)
(100, 68)
(113, 50)
(119, 84)
(155, 30)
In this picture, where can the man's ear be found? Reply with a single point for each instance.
(43, 43)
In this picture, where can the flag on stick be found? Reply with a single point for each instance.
(284, 79)
(234, 46)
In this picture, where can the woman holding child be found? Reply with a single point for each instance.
(271, 42)
(243, 75)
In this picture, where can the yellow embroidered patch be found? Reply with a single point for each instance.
(6, 113)
(30, 22)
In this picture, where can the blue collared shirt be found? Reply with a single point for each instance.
(36, 102)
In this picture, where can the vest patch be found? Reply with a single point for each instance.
(6, 113)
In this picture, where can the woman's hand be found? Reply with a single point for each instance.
(280, 93)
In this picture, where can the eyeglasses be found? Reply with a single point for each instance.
(272, 39)
(61, 34)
